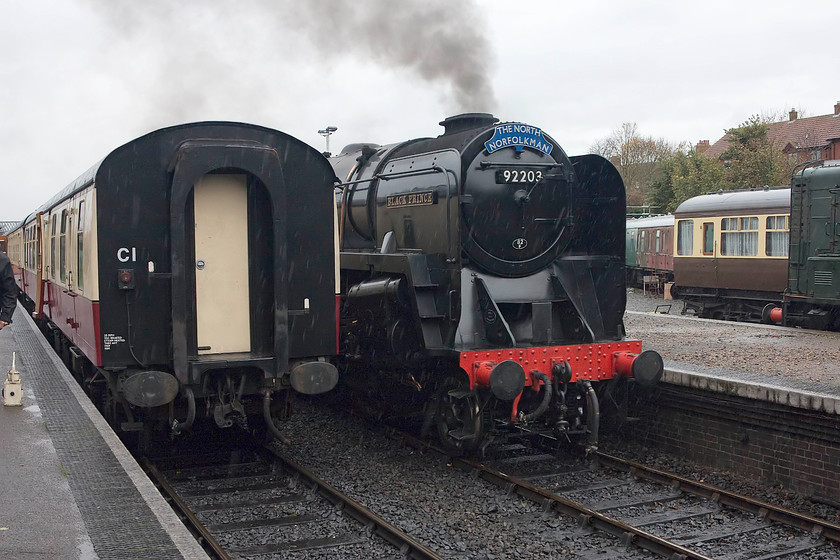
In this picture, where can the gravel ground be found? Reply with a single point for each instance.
(777, 354)
(465, 518)
(456, 515)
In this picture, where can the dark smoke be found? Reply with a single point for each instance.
(442, 41)
(180, 56)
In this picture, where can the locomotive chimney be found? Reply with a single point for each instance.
(466, 121)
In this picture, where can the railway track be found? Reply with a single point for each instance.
(661, 512)
(606, 508)
(253, 501)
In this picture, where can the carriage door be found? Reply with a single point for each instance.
(222, 299)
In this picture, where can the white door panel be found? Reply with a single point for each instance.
(221, 265)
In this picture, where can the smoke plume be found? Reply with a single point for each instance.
(442, 41)
(169, 49)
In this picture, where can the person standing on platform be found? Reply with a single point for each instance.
(8, 291)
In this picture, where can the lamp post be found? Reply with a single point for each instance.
(326, 134)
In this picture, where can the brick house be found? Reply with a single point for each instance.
(806, 139)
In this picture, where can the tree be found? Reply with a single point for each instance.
(683, 175)
(752, 159)
(637, 158)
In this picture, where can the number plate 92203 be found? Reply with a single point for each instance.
(518, 176)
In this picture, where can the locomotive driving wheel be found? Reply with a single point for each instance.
(458, 417)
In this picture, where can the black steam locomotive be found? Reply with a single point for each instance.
(482, 280)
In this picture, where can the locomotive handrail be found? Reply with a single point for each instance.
(804, 165)
(427, 171)
(486, 164)
(389, 176)
(448, 209)
(344, 196)
(400, 174)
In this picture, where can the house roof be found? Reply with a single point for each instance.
(796, 134)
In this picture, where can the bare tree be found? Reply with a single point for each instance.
(636, 157)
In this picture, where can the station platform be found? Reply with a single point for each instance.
(807, 395)
(68, 486)
(793, 367)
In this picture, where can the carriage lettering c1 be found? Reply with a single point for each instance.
(124, 254)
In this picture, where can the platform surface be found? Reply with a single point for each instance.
(782, 365)
(68, 486)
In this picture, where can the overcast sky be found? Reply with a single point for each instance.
(81, 77)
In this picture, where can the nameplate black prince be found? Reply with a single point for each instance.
(421, 198)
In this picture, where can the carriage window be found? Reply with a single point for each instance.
(685, 237)
(777, 237)
(642, 241)
(80, 279)
(27, 247)
(709, 238)
(658, 240)
(739, 237)
(52, 247)
(62, 248)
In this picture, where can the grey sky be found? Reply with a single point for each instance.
(81, 77)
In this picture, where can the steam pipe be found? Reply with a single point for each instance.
(525, 418)
(269, 422)
(178, 427)
(241, 390)
(129, 328)
(593, 416)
